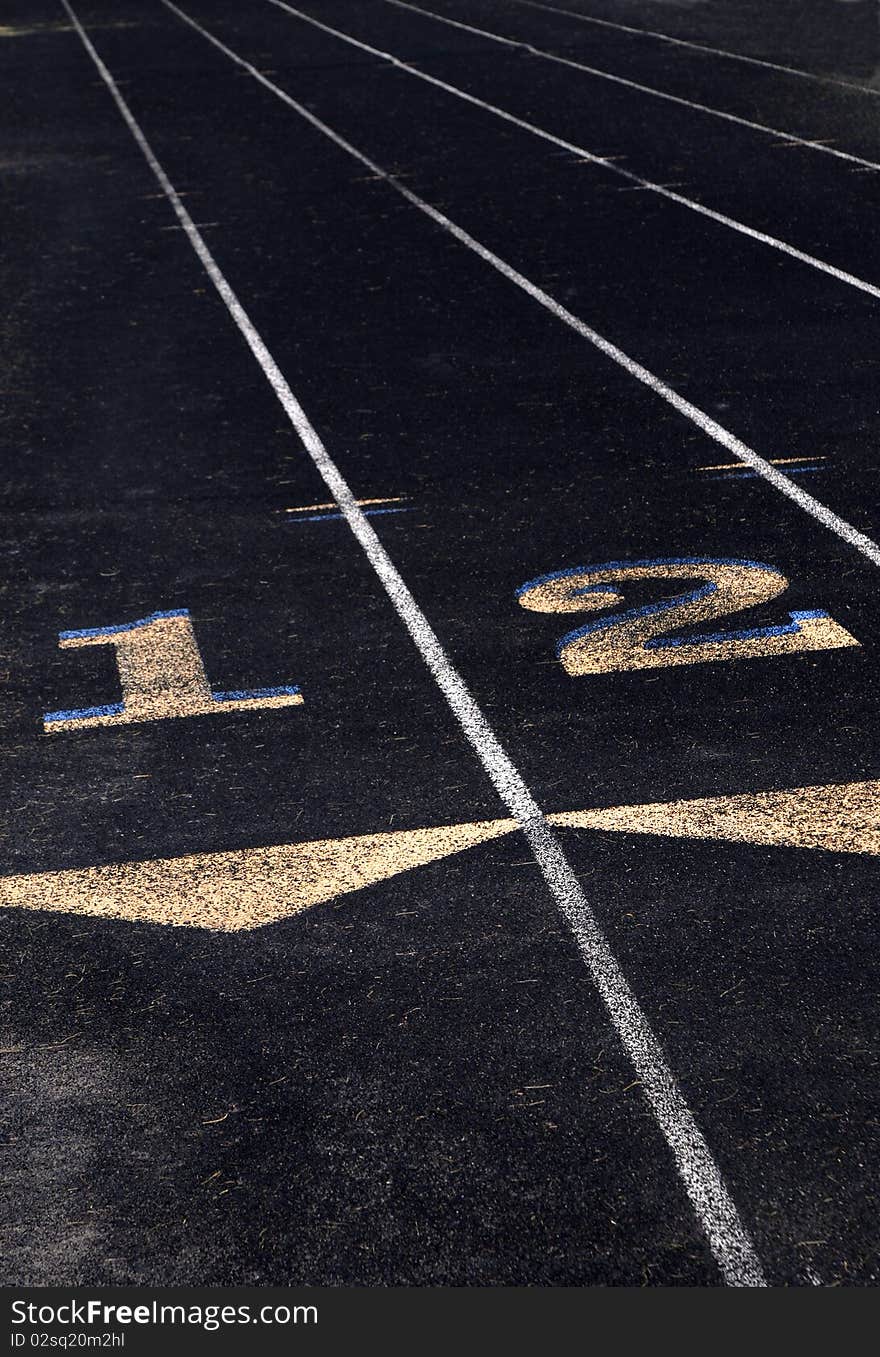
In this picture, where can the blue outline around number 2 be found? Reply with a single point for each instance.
(667, 604)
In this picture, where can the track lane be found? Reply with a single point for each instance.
(732, 171)
(501, 507)
(297, 1061)
(693, 412)
(694, 744)
(861, 33)
(820, 147)
(715, 1210)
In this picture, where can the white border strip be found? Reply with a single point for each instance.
(648, 185)
(814, 507)
(715, 1210)
(774, 132)
(702, 47)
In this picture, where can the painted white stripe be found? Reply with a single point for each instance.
(774, 132)
(583, 154)
(703, 47)
(833, 522)
(711, 1201)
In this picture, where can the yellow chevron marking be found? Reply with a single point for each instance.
(840, 818)
(245, 887)
(249, 887)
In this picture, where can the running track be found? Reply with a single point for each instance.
(331, 328)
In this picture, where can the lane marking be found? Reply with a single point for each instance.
(785, 137)
(774, 461)
(839, 817)
(162, 677)
(243, 888)
(709, 426)
(24, 31)
(713, 1206)
(702, 47)
(745, 475)
(638, 637)
(331, 504)
(368, 513)
(605, 162)
(249, 888)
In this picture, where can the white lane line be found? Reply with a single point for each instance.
(702, 47)
(789, 137)
(711, 1201)
(833, 522)
(606, 162)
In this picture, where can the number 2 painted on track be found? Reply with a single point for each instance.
(638, 638)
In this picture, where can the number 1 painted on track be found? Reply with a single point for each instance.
(162, 676)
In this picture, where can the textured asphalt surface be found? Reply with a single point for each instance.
(417, 1083)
